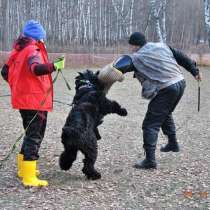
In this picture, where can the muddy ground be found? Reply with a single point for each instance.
(182, 180)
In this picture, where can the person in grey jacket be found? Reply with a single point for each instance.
(157, 67)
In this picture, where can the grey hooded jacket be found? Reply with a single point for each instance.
(156, 68)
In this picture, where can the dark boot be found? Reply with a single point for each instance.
(171, 146)
(149, 162)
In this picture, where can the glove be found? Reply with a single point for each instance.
(198, 77)
(123, 112)
(59, 63)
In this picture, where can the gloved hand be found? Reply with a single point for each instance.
(198, 77)
(59, 63)
(123, 112)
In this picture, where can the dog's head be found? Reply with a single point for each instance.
(88, 79)
(87, 83)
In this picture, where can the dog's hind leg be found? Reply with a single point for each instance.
(67, 158)
(90, 152)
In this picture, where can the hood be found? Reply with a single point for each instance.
(22, 42)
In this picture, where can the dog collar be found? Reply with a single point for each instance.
(86, 84)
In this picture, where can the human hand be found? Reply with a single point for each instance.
(123, 112)
(198, 77)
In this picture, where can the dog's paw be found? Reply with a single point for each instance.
(123, 112)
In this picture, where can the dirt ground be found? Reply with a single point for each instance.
(182, 180)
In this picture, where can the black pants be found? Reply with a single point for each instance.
(34, 134)
(159, 114)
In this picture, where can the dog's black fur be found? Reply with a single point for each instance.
(80, 131)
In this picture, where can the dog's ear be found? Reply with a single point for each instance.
(97, 73)
(89, 71)
(80, 76)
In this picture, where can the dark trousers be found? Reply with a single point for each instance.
(34, 133)
(159, 114)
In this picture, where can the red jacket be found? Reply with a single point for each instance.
(29, 91)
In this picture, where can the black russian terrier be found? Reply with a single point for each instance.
(80, 132)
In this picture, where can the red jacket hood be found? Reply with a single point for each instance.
(22, 42)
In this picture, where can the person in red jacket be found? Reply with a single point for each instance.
(28, 72)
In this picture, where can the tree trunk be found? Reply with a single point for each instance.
(155, 13)
(207, 18)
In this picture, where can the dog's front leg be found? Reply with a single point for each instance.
(108, 107)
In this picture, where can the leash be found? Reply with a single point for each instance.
(5, 95)
(65, 80)
(61, 102)
(55, 100)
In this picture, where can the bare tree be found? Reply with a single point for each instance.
(164, 20)
(104, 25)
(207, 18)
(158, 16)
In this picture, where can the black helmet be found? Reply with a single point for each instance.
(124, 64)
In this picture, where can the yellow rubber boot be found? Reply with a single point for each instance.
(29, 175)
(20, 166)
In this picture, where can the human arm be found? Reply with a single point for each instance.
(37, 66)
(39, 69)
(5, 72)
(187, 63)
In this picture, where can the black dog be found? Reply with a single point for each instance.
(80, 130)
